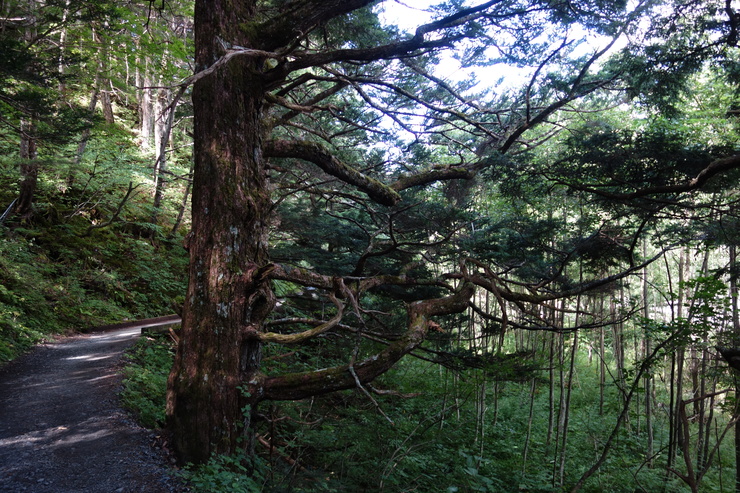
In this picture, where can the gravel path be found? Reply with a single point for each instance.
(62, 429)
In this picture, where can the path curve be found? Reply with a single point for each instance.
(62, 429)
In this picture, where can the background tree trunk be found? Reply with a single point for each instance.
(184, 203)
(29, 169)
(647, 349)
(146, 119)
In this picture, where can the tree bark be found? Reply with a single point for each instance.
(164, 136)
(647, 348)
(29, 166)
(735, 341)
(228, 295)
(146, 120)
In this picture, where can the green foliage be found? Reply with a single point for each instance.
(27, 296)
(226, 474)
(87, 258)
(15, 337)
(145, 379)
(658, 73)
(31, 81)
(53, 280)
(58, 274)
(622, 159)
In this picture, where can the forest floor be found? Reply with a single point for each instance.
(62, 428)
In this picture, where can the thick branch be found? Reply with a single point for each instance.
(306, 15)
(299, 17)
(306, 277)
(302, 385)
(434, 175)
(306, 334)
(228, 55)
(321, 157)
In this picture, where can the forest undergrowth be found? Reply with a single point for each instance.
(434, 432)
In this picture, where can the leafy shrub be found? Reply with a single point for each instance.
(25, 313)
(14, 336)
(226, 474)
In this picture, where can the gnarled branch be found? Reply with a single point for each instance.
(431, 176)
(300, 337)
(302, 385)
(714, 168)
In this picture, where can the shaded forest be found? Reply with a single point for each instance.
(493, 251)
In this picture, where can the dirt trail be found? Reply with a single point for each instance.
(61, 426)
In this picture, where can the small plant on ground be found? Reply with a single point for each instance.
(226, 474)
(145, 379)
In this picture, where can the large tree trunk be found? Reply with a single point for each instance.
(228, 296)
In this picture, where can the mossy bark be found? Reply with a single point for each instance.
(228, 295)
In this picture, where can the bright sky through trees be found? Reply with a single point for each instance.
(498, 77)
(494, 75)
(407, 16)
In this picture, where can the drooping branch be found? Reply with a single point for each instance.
(714, 168)
(494, 284)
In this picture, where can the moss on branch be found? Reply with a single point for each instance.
(324, 159)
